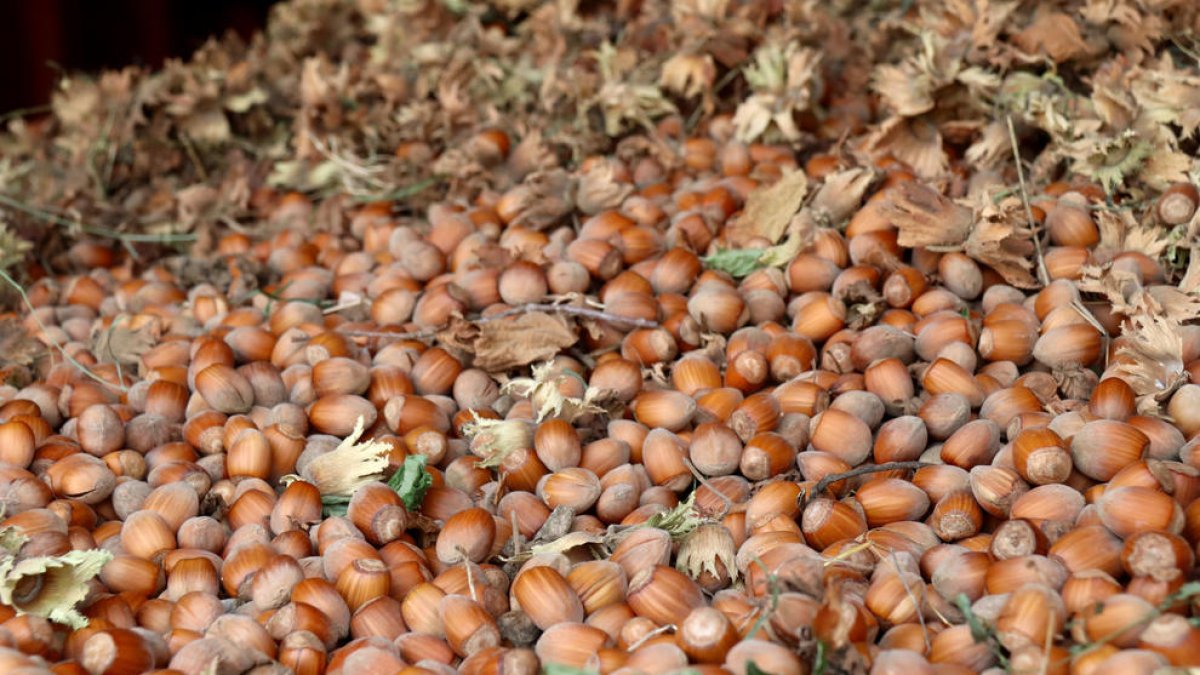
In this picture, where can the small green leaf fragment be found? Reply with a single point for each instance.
(735, 262)
(559, 669)
(411, 481)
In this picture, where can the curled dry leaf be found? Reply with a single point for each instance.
(842, 193)
(121, 344)
(1053, 34)
(689, 74)
(547, 197)
(769, 209)
(544, 391)
(349, 466)
(1124, 292)
(567, 542)
(511, 342)
(1174, 303)
(1154, 369)
(907, 92)
(598, 190)
(17, 346)
(916, 141)
(1120, 288)
(1120, 232)
(530, 155)
(47, 586)
(1001, 241)
(926, 218)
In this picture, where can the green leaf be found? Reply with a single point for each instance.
(741, 262)
(402, 193)
(735, 262)
(979, 632)
(753, 669)
(559, 669)
(334, 505)
(411, 481)
(820, 663)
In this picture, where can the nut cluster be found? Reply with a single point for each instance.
(878, 457)
(766, 473)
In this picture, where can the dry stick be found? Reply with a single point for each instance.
(825, 482)
(124, 237)
(704, 481)
(1043, 276)
(912, 597)
(512, 311)
(652, 634)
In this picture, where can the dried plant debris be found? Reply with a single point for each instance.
(387, 100)
(1002, 240)
(511, 342)
(1152, 360)
(121, 343)
(926, 218)
(548, 391)
(769, 209)
(17, 346)
(47, 586)
(339, 473)
(515, 216)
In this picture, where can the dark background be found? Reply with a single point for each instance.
(40, 37)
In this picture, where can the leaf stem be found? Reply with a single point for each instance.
(125, 237)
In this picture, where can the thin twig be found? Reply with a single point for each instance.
(704, 481)
(25, 112)
(1043, 276)
(573, 310)
(652, 634)
(186, 141)
(1188, 591)
(410, 335)
(773, 590)
(46, 331)
(126, 237)
(912, 597)
(824, 483)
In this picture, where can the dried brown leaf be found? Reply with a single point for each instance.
(1174, 303)
(195, 203)
(769, 209)
(1120, 288)
(530, 155)
(1054, 34)
(841, 193)
(121, 344)
(688, 75)
(511, 342)
(1120, 232)
(908, 93)
(992, 147)
(17, 346)
(1001, 241)
(599, 191)
(915, 141)
(546, 197)
(1155, 369)
(925, 217)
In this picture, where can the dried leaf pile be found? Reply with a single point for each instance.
(709, 336)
